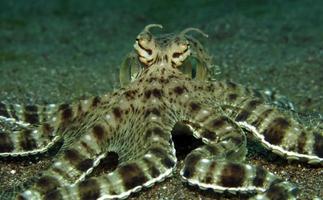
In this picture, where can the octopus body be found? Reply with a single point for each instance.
(165, 81)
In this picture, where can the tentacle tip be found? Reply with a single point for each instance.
(185, 31)
(149, 26)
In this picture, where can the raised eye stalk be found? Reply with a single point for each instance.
(193, 29)
(149, 26)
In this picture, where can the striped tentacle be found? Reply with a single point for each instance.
(157, 163)
(233, 177)
(218, 164)
(230, 91)
(27, 129)
(43, 133)
(154, 166)
(37, 138)
(224, 141)
(276, 130)
(216, 130)
(72, 165)
(27, 115)
(27, 141)
(66, 177)
(278, 190)
(143, 170)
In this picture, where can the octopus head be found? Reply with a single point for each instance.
(179, 51)
(170, 49)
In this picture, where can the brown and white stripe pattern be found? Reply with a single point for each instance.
(224, 176)
(30, 115)
(278, 190)
(215, 129)
(216, 167)
(280, 133)
(212, 172)
(28, 141)
(31, 131)
(129, 177)
(157, 164)
(33, 128)
(275, 130)
(72, 166)
(67, 175)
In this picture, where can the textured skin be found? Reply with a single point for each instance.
(161, 87)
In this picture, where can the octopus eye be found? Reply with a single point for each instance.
(144, 47)
(180, 52)
(147, 50)
(181, 49)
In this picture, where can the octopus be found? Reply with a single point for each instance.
(165, 80)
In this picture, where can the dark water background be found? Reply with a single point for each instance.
(56, 51)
